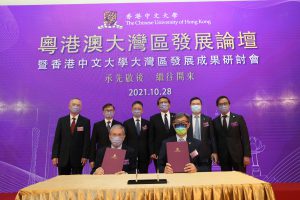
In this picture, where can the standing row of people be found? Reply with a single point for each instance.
(224, 140)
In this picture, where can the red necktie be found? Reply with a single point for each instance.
(73, 125)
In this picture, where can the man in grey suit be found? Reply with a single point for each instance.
(201, 128)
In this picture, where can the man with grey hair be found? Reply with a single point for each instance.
(70, 149)
(197, 163)
(116, 137)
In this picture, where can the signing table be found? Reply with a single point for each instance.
(202, 186)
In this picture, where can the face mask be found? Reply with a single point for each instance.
(224, 109)
(180, 129)
(137, 113)
(163, 106)
(116, 141)
(196, 108)
(109, 114)
(75, 109)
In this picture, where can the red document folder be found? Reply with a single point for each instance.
(113, 160)
(178, 155)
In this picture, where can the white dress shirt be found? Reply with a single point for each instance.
(71, 119)
(168, 117)
(178, 138)
(106, 120)
(227, 119)
(120, 147)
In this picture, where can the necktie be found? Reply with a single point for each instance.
(138, 126)
(197, 133)
(166, 122)
(224, 122)
(73, 125)
(108, 125)
(181, 140)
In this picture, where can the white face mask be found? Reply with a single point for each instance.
(196, 108)
(224, 108)
(116, 141)
(109, 114)
(137, 113)
(163, 107)
(75, 109)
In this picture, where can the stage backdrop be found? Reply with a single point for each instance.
(120, 53)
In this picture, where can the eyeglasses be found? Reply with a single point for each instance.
(176, 125)
(165, 102)
(223, 104)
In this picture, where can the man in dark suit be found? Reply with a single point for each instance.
(137, 133)
(232, 138)
(116, 136)
(160, 127)
(70, 149)
(201, 128)
(100, 131)
(198, 162)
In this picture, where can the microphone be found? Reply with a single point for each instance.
(146, 181)
(157, 172)
(136, 169)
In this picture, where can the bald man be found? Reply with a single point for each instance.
(70, 149)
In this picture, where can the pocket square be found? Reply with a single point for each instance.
(234, 124)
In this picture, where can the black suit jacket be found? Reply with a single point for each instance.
(208, 141)
(100, 137)
(158, 132)
(138, 142)
(130, 158)
(71, 146)
(234, 141)
(201, 162)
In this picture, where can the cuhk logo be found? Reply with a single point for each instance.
(110, 20)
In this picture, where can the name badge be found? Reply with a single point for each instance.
(194, 153)
(205, 124)
(80, 128)
(126, 162)
(234, 124)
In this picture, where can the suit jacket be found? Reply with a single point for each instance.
(138, 142)
(208, 141)
(158, 132)
(234, 141)
(201, 162)
(71, 146)
(130, 158)
(100, 137)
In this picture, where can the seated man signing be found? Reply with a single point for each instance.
(197, 162)
(116, 137)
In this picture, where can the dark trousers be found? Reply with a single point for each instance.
(227, 164)
(204, 167)
(68, 169)
(143, 166)
(155, 164)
